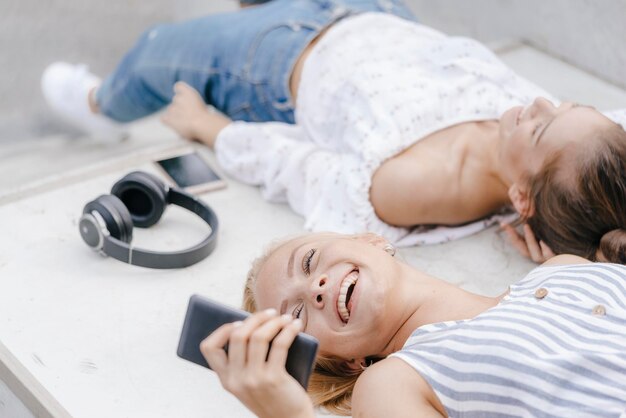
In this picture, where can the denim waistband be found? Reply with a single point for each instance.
(242, 61)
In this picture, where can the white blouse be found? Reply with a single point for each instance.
(371, 87)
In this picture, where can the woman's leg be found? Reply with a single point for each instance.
(239, 62)
(188, 51)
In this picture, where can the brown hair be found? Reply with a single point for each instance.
(332, 381)
(582, 211)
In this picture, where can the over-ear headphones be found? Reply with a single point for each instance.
(139, 199)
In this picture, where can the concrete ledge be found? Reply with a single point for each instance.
(27, 389)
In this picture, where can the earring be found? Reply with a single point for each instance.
(365, 364)
(390, 249)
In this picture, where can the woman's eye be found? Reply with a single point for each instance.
(296, 312)
(306, 261)
(536, 129)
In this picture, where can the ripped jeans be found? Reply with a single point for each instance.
(240, 62)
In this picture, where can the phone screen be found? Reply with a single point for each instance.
(189, 170)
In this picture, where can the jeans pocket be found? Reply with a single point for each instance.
(271, 60)
(272, 49)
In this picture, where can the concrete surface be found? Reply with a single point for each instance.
(34, 33)
(11, 406)
(589, 34)
(100, 335)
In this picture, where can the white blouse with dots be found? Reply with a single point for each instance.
(371, 87)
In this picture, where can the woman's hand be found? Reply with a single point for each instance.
(257, 379)
(189, 116)
(527, 243)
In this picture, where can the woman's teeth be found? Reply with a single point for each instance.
(342, 301)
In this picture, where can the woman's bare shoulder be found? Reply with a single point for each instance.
(393, 388)
(564, 259)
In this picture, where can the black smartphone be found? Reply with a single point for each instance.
(190, 171)
(204, 316)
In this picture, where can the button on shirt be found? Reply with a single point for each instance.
(555, 346)
(541, 293)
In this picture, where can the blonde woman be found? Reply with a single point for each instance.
(396, 342)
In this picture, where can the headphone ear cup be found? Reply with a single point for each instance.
(115, 215)
(144, 195)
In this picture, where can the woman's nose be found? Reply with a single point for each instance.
(319, 291)
(542, 106)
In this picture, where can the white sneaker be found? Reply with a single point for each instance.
(66, 88)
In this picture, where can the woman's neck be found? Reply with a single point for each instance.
(490, 153)
(484, 152)
(428, 300)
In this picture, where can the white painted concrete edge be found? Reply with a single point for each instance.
(27, 389)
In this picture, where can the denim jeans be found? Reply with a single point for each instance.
(240, 62)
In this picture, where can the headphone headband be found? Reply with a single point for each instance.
(98, 215)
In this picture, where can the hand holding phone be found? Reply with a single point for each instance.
(205, 316)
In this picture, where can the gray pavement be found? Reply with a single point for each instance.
(39, 154)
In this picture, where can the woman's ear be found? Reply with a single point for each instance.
(521, 201)
(356, 364)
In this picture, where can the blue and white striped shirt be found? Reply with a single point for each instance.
(555, 346)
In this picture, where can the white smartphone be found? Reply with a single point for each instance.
(191, 172)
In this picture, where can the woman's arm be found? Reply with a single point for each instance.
(393, 389)
(252, 372)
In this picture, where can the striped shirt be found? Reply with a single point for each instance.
(555, 346)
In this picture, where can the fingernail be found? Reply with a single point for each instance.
(286, 317)
(297, 323)
(271, 311)
(237, 324)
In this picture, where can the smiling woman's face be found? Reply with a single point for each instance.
(528, 135)
(340, 286)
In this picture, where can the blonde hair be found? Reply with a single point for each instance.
(332, 381)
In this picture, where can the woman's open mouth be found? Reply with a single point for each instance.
(344, 306)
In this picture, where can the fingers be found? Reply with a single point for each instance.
(527, 244)
(212, 347)
(516, 239)
(547, 251)
(261, 337)
(282, 342)
(249, 343)
(183, 90)
(181, 86)
(532, 244)
(238, 343)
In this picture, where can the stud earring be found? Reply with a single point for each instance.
(390, 249)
